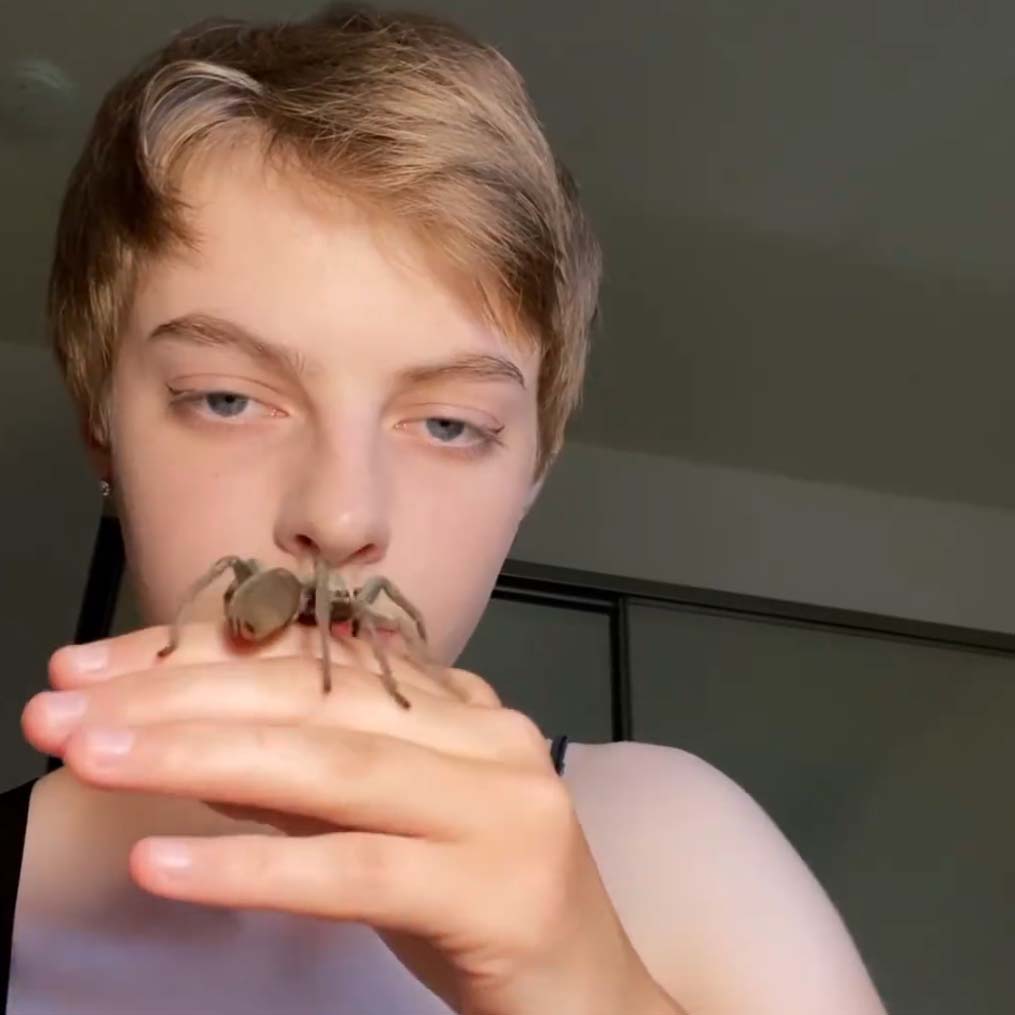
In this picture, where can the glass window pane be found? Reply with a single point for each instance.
(548, 661)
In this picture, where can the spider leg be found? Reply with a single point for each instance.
(377, 584)
(418, 650)
(386, 675)
(420, 654)
(242, 569)
(342, 588)
(322, 614)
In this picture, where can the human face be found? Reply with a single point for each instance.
(361, 455)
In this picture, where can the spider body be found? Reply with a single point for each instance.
(260, 602)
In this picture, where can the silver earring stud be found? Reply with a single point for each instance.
(105, 487)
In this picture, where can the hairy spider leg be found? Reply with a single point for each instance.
(322, 614)
(377, 584)
(419, 651)
(242, 570)
(387, 678)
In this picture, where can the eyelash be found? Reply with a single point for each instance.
(488, 437)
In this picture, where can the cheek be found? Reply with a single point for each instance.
(179, 509)
(171, 536)
(165, 551)
(453, 551)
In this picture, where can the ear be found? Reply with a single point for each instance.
(97, 452)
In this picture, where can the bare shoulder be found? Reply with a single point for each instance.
(725, 914)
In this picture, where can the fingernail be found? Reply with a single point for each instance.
(171, 855)
(63, 709)
(108, 743)
(89, 658)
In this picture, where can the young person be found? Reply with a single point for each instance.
(322, 292)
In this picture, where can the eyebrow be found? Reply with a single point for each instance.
(207, 329)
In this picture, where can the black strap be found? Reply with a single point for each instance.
(13, 823)
(557, 751)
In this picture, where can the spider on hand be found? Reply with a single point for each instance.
(259, 603)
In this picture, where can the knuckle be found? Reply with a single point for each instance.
(548, 799)
(371, 865)
(545, 810)
(177, 692)
(356, 757)
(265, 741)
(354, 701)
(348, 684)
(259, 861)
(476, 689)
(521, 731)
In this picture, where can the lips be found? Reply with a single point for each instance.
(344, 630)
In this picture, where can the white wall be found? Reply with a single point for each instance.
(704, 525)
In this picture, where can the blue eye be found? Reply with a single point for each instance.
(445, 428)
(220, 405)
(448, 434)
(453, 436)
(231, 403)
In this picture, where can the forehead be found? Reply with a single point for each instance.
(284, 252)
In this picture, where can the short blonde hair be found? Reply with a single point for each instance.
(404, 110)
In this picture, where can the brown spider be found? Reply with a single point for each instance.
(261, 602)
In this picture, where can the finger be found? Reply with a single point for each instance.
(74, 666)
(350, 779)
(291, 824)
(386, 881)
(200, 641)
(470, 687)
(287, 691)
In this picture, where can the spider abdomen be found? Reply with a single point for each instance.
(264, 604)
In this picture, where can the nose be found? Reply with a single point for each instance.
(337, 504)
